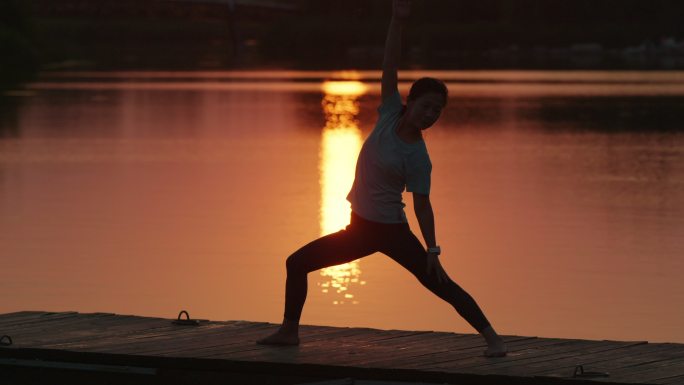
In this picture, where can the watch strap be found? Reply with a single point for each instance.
(436, 250)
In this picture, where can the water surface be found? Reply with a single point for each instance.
(558, 197)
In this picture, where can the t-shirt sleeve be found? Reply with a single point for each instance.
(418, 170)
(391, 105)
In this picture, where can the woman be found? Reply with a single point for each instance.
(392, 158)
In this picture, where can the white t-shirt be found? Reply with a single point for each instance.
(386, 166)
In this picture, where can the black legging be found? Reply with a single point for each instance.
(363, 237)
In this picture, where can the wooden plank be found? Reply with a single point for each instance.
(297, 355)
(569, 351)
(349, 336)
(634, 362)
(404, 341)
(8, 318)
(356, 348)
(104, 329)
(455, 352)
(148, 340)
(669, 355)
(365, 344)
(63, 329)
(41, 331)
(418, 345)
(191, 339)
(40, 320)
(523, 370)
(576, 348)
(387, 358)
(478, 364)
(676, 380)
(371, 337)
(600, 361)
(201, 346)
(356, 356)
(414, 361)
(307, 334)
(419, 349)
(402, 348)
(314, 350)
(164, 330)
(226, 340)
(445, 342)
(95, 342)
(251, 349)
(652, 371)
(41, 315)
(356, 353)
(411, 353)
(142, 342)
(442, 345)
(48, 322)
(129, 323)
(83, 328)
(313, 345)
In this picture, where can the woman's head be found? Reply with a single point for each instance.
(425, 101)
(424, 86)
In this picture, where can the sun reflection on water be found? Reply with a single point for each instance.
(341, 144)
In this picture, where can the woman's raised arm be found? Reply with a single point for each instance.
(390, 64)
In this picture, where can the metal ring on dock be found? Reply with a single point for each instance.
(187, 320)
(579, 372)
(5, 343)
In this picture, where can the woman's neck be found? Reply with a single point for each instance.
(408, 133)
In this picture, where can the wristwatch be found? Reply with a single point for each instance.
(434, 250)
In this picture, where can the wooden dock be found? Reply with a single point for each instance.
(142, 348)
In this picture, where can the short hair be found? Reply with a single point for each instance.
(427, 85)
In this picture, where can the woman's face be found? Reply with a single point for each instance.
(424, 111)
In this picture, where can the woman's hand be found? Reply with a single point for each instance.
(401, 9)
(434, 267)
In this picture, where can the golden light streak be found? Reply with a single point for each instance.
(340, 147)
(341, 143)
(340, 88)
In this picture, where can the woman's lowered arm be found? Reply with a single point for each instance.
(426, 220)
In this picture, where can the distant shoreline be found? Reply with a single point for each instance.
(208, 35)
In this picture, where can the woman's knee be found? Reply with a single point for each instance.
(292, 264)
(444, 288)
(297, 264)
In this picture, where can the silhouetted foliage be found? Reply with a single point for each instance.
(17, 57)
(320, 33)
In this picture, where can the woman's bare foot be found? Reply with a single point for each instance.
(495, 344)
(280, 338)
(287, 334)
(497, 349)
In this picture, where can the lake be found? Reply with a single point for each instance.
(558, 198)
